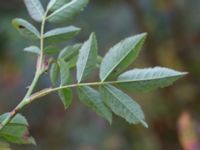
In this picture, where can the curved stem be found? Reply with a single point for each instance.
(41, 57)
(22, 103)
(32, 86)
(51, 90)
(39, 71)
(29, 97)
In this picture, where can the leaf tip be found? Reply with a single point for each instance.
(65, 107)
(144, 124)
(78, 29)
(184, 73)
(93, 37)
(142, 35)
(109, 119)
(13, 22)
(92, 34)
(32, 140)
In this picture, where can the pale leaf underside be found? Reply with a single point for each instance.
(25, 28)
(121, 56)
(61, 34)
(67, 11)
(87, 58)
(35, 9)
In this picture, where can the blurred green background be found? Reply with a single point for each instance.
(173, 113)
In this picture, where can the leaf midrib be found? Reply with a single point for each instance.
(14, 136)
(87, 96)
(31, 28)
(34, 4)
(140, 120)
(144, 80)
(106, 76)
(62, 8)
(87, 56)
(61, 31)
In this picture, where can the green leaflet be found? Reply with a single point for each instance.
(17, 134)
(92, 99)
(65, 94)
(18, 119)
(67, 11)
(121, 56)
(64, 72)
(35, 9)
(72, 62)
(62, 69)
(32, 49)
(87, 58)
(148, 79)
(16, 131)
(54, 73)
(66, 97)
(25, 28)
(61, 34)
(50, 50)
(115, 61)
(122, 105)
(69, 51)
(99, 60)
(51, 4)
(56, 4)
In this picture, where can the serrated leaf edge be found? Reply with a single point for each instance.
(140, 120)
(109, 72)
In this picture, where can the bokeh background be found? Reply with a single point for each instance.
(173, 113)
